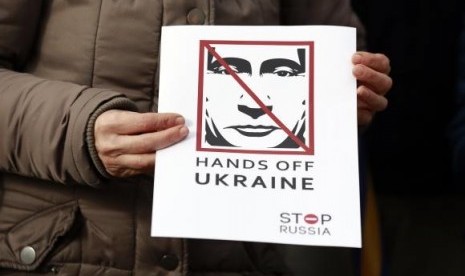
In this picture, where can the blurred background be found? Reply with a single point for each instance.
(414, 151)
(418, 186)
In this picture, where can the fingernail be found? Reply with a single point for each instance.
(179, 120)
(183, 131)
(357, 58)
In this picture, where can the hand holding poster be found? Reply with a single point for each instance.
(272, 150)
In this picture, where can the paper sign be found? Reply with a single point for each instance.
(272, 151)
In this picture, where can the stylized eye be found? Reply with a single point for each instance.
(237, 65)
(284, 71)
(282, 67)
(222, 70)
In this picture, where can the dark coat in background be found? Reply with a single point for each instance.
(409, 149)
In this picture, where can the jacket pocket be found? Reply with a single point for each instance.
(26, 245)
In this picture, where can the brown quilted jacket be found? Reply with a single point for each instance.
(62, 63)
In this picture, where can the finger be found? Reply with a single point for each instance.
(137, 162)
(378, 62)
(150, 122)
(377, 81)
(151, 142)
(133, 164)
(127, 122)
(369, 100)
(364, 117)
(362, 104)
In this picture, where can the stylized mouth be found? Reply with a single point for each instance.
(254, 131)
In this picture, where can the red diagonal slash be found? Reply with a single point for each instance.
(255, 98)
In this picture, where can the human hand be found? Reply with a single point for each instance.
(372, 74)
(126, 141)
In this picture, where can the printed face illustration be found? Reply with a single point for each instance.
(277, 75)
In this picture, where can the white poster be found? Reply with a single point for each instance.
(271, 154)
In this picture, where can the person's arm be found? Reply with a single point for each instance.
(44, 123)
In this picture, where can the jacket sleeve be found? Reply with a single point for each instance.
(323, 12)
(43, 123)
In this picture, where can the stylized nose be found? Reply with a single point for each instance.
(253, 112)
